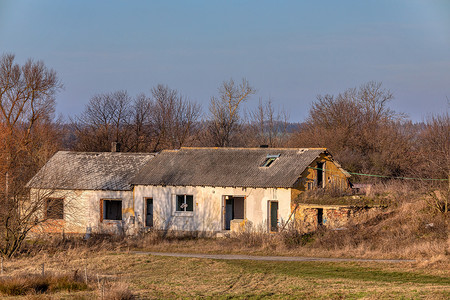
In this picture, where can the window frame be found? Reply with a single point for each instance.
(270, 160)
(184, 211)
(51, 217)
(103, 211)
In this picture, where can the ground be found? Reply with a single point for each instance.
(156, 277)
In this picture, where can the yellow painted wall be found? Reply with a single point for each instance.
(333, 176)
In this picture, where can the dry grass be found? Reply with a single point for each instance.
(116, 291)
(37, 284)
(124, 276)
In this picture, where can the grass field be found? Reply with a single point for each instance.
(155, 277)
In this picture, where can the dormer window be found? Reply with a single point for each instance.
(270, 159)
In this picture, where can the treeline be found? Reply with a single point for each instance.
(358, 127)
(164, 119)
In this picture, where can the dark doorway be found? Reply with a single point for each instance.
(234, 209)
(149, 212)
(273, 209)
(320, 175)
(320, 216)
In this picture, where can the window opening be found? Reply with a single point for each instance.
(185, 203)
(54, 208)
(269, 160)
(112, 209)
(320, 174)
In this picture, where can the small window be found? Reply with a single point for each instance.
(269, 160)
(185, 203)
(54, 208)
(112, 209)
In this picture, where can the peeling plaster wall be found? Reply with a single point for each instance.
(82, 211)
(208, 211)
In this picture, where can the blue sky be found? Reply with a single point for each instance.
(290, 51)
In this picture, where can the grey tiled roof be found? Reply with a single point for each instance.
(90, 171)
(226, 167)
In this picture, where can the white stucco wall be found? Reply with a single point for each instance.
(208, 211)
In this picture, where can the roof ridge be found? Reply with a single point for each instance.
(245, 148)
(106, 152)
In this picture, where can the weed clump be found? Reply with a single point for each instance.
(38, 284)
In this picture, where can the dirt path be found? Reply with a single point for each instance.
(270, 258)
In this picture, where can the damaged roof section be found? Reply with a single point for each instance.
(111, 171)
(228, 167)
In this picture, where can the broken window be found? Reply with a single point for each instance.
(269, 160)
(112, 209)
(54, 208)
(185, 203)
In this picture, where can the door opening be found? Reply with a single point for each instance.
(320, 173)
(149, 212)
(234, 209)
(273, 216)
(319, 216)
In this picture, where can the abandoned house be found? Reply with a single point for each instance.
(208, 190)
(87, 191)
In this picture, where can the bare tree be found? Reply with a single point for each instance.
(105, 119)
(269, 126)
(141, 123)
(225, 111)
(173, 118)
(28, 138)
(164, 120)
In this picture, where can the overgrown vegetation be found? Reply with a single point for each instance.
(38, 284)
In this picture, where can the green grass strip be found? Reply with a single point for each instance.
(320, 270)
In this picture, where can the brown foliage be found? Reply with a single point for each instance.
(361, 131)
(28, 138)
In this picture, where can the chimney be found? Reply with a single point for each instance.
(115, 147)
